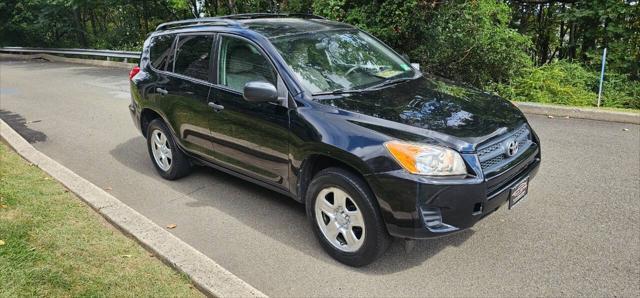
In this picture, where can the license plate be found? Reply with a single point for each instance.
(518, 192)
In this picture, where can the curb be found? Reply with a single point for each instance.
(578, 112)
(211, 278)
(70, 60)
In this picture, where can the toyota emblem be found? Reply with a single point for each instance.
(512, 147)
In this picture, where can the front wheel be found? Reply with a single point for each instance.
(345, 217)
(170, 162)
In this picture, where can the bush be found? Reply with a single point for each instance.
(470, 42)
(569, 83)
(621, 92)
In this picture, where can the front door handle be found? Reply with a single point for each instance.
(216, 107)
(162, 91)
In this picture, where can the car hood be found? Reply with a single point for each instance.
(438, 105)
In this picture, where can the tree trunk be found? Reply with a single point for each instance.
(194, 8)
(77, 18)
(231, 5)
(145, 16)
(563, 31)
(212, 7)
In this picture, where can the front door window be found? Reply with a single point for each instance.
(240, 63)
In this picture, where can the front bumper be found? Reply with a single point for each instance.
(412, 204)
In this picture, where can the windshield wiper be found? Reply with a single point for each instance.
(339, 91)
(389, 83)
(371, 88)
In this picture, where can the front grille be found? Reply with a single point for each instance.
(495, 154)
(492, 162)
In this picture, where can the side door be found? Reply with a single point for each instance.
(186, 91)
(251, 138)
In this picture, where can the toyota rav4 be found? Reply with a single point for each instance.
(333, 118)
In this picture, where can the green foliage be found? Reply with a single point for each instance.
(467, 41)
(561, 83)
(472, 42)
(579, 30)
(621, 92)
(607, 23)
(570, 84)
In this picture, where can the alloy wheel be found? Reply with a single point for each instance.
(340, 219)
(161, 150)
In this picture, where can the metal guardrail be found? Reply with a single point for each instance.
(79, 52)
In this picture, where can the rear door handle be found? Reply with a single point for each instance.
(162, 91)
(216, 107)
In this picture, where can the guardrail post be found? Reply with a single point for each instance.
(108, 58)
(125, 60)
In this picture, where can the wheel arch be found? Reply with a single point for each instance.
(146, 116)
(316, 162)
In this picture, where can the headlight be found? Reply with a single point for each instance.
(423, 159)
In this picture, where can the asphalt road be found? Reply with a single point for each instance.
(577, 233)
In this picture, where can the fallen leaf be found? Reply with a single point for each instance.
(549, 116)
(108, 188)
(66, 190)
(566, 117)
(625, 129)
(1, 242)
(171, 226)
(47, 178)
(3, 206)
(126, 256)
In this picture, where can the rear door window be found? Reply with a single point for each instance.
(160, 50)
(193, 56)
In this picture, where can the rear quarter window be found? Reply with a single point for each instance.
(193, 56)
(160, 50)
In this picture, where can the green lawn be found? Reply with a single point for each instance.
(52, 244)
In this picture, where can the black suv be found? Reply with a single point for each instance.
(330, 116)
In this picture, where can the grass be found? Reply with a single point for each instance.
(52, 244)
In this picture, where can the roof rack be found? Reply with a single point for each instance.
(230, 20)
(245, 16)
(219, 21)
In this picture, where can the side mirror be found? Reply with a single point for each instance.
(259, 92)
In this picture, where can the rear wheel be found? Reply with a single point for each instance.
(170, 162)
(345, 217)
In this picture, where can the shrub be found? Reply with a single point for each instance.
(621, 92)
(569, 83)
(470, 42)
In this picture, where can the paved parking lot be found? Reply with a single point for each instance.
(577, 233)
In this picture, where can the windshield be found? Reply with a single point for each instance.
(331, 61)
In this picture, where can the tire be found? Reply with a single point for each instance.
(170, 162)
(323, 197)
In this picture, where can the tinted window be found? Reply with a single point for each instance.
(160, 50)
(193, 56)
(241, 62)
